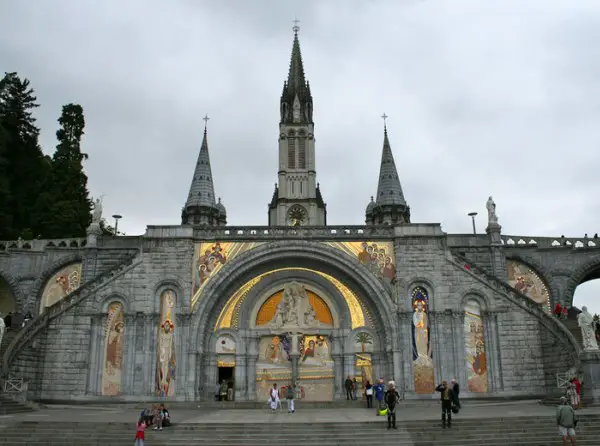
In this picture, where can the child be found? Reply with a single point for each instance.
(140, 427)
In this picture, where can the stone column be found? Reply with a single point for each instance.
(498, 257)
(407, 352)
(251, 377)
(150, 352)
(94, 365)
(493, 350)
(338, 368)
(590, 367)
(128, 367)
(294, 357)
(458, 335)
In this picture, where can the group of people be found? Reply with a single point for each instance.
(157, 416)
(561, 312)
(224, 391)
(14, 321)
(290, 396)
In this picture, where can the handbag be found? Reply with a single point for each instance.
(370, 391)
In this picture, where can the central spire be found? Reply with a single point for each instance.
(296, 100)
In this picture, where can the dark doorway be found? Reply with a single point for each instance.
(226, 373)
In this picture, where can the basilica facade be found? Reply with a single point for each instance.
(173, 312)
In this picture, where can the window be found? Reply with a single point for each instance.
(302, 153)
(291, 153)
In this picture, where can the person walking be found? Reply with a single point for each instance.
(369, 394)
(379, 390)
(274, 398)
(348, 387)
(566, 421)
(448, 398)
(140, 428)
(391, 400)
(290, 397)
(575, 381)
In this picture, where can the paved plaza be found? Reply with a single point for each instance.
(407, 412)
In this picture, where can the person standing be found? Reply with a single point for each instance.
(223, 391)
(140, 427)
(391, 400)
(379, 390)
(291, 396)
(575, 381)
(369, 394)
(566, 421)
(348, 387)
(354, 388)
(274, 398)
(448, 397)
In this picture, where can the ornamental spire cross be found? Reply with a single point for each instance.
(384, 117)
(296, 28)
(205, 119)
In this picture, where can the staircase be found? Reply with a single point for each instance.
(8, 405)
(26, 334)
(526, 431)
(573, 327)
(6, 340)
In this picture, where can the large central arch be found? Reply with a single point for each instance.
(327, 272)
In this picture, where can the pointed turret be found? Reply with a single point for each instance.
(389, 206)
(201, 207)
(296, 100)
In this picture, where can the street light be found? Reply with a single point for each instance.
(472, 215)
(117, 217)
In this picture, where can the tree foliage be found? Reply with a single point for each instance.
(40, 196)
(65, 204)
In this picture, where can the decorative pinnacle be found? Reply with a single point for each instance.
(296, 28)
(205, 119)
(384, 117)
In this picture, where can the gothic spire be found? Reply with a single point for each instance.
(201, 206)
(296, 100)
(390, 205)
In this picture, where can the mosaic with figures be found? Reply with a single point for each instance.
(210, 257)
(525, 280)
(377, 256)
(60, 284)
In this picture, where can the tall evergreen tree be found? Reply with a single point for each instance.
(65, 206)
(26, 166)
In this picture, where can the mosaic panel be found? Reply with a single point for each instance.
(60, 284)
(377, 256)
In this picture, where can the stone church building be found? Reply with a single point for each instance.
(175, 311)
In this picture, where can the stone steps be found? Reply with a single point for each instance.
(8, 405)
(527, 431)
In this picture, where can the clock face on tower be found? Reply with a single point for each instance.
(297, 216)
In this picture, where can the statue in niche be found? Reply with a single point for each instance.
(588, 329)
(294, 309)
(421, 330)
(491, 208)
(2, 328)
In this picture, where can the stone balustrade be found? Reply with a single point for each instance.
(516, 241)
(41, 245)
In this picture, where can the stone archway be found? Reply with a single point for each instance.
(275, 259)
(587, 272)
(8, 298)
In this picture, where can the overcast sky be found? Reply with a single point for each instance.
(484, 98)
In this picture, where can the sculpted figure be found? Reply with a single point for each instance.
(97, 211)
(588, 329)
(491, 208)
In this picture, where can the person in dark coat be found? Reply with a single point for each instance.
(391, 400)
(448, 398)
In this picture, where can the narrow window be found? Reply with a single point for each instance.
(292, 153)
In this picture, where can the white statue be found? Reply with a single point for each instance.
(491, 208)
(2, 328)
(97, 211)
(588, 329)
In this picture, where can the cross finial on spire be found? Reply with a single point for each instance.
(384, 117)
(296, 28)
(205, 119)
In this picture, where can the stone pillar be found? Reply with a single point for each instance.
(338, 369)
(407, 351)
(498, 257)
(458, 336)
(128, 367)
(240, 377)
(590, 368)
(94, 358)
(251, 377)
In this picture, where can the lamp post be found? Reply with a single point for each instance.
(472, 215)
(117, 217)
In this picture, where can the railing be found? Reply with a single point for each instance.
(521, 300)
(38, 323)
(563, 379)
(517, 241)
(41, 245)
(15, 385)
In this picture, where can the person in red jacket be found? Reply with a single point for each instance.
(557, 310)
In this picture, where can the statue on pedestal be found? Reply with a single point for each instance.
(97, 211)
(491, 208)
(588, 329)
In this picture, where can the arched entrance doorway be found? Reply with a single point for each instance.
(285, 313)
(8, 302)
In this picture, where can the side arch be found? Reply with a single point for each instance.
(40, 283)
(579, 276)
(424, 283)
(169, 283)
(476, 295)
(14, 290)
(105, 300)
(538, 269)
